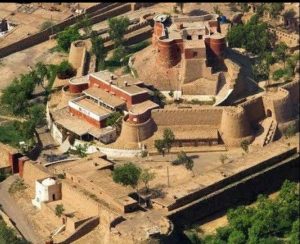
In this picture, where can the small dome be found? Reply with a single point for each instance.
(48, 182)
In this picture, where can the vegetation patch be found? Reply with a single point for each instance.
(269, 221)
(17, 186)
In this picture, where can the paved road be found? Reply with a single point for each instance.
(11, 208)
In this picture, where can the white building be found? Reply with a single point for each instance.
(46, 190)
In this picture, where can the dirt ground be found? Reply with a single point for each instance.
(18, 63)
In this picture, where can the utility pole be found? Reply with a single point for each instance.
(168, 176)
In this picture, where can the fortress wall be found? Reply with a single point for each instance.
(33, 172)
(44, 35)
(76, 196)
(196, 18)
(134, 133)
(196, 116)
(260, 165)
(192, 69)
(254, 109)
(243, 192)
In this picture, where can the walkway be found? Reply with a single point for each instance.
(11, 208)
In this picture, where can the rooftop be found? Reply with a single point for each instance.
(79, 80)
(119, 82)
(106, 97)
(143, 107)
(92, 106)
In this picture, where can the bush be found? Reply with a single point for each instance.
(59, 209)
(290, 131)
(45, 25)
(278, 74)
(65, 70)
(16, 186)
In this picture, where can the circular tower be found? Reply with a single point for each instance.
(77, 51)
(235, 126)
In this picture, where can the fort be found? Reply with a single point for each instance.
(187, 80)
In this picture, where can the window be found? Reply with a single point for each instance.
(194, 54)
(188, 37)
(199, 37)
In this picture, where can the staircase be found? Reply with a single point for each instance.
(269, 130)
(271, 133)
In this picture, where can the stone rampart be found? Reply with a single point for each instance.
(196, 116)
(254, 109)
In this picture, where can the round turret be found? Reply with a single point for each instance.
(235, 126)
(77, 51)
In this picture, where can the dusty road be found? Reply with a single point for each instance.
(14, 212)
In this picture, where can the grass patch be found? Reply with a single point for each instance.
(17, 186)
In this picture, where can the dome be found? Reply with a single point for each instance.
(48, 182)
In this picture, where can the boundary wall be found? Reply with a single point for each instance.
(44, 35)
(244, 191)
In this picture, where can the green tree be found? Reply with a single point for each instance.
(66, 37)
(295, 234)
(81, 150)
(168, 138)
(99, 51)
(8, 235)
(119, 54)
(189, 165)
(274, 9)
(281, 52)
(159, 145)
(146, 177)
(85, 24)
(37, 114)
(127, 175)
(65, 70)
(59, 209)
(117, 29)
(42, 73)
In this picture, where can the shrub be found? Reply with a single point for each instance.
(278, 74)
(59, 209)
(245, 145)
(290, 131)
(127, 174)
(66, 37)
(16, 186)
(65, 70)
(45, 25)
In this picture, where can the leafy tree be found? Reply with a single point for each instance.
(146, 177)
(295, 234)
(275, 8)
(8, 235)
(117, 29)
(85, 24)
(65, 70)
(41, 72)
(99, 51)
(128, 175)
(59, 209)
(245, 36)
(45, 25)
(66, 37)
(168, 138)
(281, 52)
(245, 145)
(159, 145)
(81, 150)
(189, 164)
(119, 54)
(37, 114)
